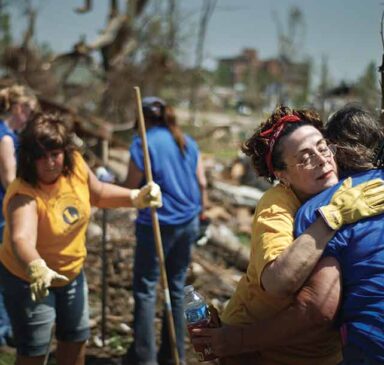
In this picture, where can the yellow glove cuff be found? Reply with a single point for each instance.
(332, 216)
(36, 268)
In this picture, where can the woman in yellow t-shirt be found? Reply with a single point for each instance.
(288, 147)
(47, 210)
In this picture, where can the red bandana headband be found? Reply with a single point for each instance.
(273, 134)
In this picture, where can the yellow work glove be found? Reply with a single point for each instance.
(348, 205)
(148, 196)
(41, 277)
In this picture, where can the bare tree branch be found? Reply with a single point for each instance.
(208, 8)
(85, 8)
(381, 29)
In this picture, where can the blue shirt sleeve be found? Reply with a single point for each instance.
(303, 219)
(307, 213)
(337, 245)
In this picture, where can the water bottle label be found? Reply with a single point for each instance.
(196, 314)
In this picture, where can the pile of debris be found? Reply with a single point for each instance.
(218, 261)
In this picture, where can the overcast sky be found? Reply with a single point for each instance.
(346, 32)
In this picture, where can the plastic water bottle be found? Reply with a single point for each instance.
(197, 315)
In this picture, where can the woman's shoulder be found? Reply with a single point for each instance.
(77, 157)
(19, 186)
(80, 166)
(5, 130)
(279, 197)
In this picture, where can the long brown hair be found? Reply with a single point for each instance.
(257, 146)
(157, 112)
(43, 133)
(357, 135)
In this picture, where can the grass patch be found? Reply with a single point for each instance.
(7, 358)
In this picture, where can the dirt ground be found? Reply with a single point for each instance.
(210, 273)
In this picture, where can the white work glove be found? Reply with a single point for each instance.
(148, 196)
(41, 277)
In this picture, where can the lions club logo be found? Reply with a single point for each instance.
(71, 215)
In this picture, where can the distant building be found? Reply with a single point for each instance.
(238, 68)
(265, 81)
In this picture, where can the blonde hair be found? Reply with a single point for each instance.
(16, 94)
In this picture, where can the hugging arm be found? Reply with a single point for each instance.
(312, 311)
(287, 273)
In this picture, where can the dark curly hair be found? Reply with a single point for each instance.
(357, 136)
(44, 132)
(256, 146)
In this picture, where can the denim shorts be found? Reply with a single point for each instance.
(65, 307)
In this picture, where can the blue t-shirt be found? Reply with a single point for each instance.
(174, 172)
(359, 248)
(5, 131)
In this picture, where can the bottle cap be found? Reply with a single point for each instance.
(188, 289)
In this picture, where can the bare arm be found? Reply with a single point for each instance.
(347, 205)
(23, 220)
(312, 311)
(134, 176)
(7, 161)
(105, 195)
(202, 181)
(287, 273)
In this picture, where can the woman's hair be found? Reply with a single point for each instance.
(16, 94)
(157, 112)
(357, 135)
(45, 132)
(258, 146)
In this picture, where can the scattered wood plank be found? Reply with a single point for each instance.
(237, 195)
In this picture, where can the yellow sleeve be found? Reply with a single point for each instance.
(80, 167)
(20, 187)
(272, 229)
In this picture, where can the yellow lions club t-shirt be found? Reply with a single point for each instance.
(272, 233)
(63, 210)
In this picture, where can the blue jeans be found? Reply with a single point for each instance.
(5, 324)
(177, 241)
(32, 322)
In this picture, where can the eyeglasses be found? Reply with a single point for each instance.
(311, 159)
